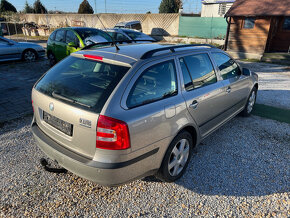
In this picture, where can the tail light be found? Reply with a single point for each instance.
(94, 57)
(112, 134)
(32, 105)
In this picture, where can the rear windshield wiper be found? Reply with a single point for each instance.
(59, 96)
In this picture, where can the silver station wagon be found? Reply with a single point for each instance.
(116, 114)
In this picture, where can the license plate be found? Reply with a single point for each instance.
(57, 123)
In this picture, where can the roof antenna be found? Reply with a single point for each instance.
(113, 41)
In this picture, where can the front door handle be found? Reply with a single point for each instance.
(228, 89)
(194, 104)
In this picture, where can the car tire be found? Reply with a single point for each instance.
(250, 103)
(29, 55)
(52, 59)
(176, 158)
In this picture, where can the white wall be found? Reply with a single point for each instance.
(212, 10)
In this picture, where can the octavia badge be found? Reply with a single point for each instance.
(51, 106)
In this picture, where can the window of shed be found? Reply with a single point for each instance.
(286, 24)
(249, 23)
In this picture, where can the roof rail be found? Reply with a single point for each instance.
(119, 42)
(149, 54)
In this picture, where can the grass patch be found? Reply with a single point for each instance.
(30, 37)
(274, 113)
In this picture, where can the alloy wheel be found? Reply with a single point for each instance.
(178, 157)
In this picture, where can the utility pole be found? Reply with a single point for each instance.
(95, 7)
(105, 6)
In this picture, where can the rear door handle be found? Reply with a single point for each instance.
(194, 104)
(228, 89)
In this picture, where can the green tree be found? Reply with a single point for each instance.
(6, 6)
(38, 8)
(27, 8)
(85, 8)
(178, 4)
(168, 6)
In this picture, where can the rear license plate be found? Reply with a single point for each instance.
(57, 123)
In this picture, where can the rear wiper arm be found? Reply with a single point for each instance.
(57, 95)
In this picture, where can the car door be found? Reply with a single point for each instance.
(153, 103)
(60, 45)
(71, 38)
(8, 51)
(202, 91)
(236, 85)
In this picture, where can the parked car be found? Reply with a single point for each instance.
(121, 34)
(112, 116)
(136, 25)
(64, 41)
(11, 50)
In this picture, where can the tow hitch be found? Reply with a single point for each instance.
(47, 167)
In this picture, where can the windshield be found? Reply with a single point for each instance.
(82, 82)
(85, 33)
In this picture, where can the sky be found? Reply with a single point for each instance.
(112, 6)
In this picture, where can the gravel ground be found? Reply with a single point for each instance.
(240, 170)
(274, 83)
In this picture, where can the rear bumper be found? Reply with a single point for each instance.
(109, 174)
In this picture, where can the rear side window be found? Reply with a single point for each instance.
(197, 71)
(52, 36)
(59, 37)
(82, 82)
(155, 83)
(136, 26)
(227, 66)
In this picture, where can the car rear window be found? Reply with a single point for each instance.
(85, 33)
(82, 82)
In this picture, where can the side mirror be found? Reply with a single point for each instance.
(72, 44)
(246, 72)
(10, 43)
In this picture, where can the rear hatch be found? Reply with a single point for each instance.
(68, 99)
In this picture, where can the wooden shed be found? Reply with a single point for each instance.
(258, 26)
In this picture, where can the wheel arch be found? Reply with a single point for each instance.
(29, 49)
(193, 132)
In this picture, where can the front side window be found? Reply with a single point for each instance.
(227, 66)
(249, 23)
(71, 37)
(155, 83)
(84, 82)
(134, 34)
(286, 24)
(121, 37)
(60, 36)
(197, 71)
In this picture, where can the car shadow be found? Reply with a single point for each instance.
(237, 160)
